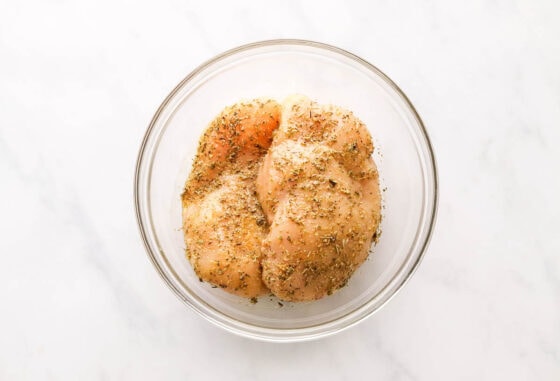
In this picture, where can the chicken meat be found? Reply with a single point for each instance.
(319, 190)
(282, 199)
(223, 222)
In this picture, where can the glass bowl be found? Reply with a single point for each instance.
(327, 75)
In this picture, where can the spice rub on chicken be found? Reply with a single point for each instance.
(223, 222)
(318, 187)
(282, 199)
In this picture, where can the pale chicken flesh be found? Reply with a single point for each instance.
(223, 222)
(294, 213)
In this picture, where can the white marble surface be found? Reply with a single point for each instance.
(79, 82)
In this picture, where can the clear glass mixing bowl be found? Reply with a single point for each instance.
(328, 75)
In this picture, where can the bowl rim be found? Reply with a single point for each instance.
(295, 334)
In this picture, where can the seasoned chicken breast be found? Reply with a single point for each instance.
(282, 199)
(223, 221)
(319, 190)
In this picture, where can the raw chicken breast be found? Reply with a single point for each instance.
(319, 190)
(223, 222)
